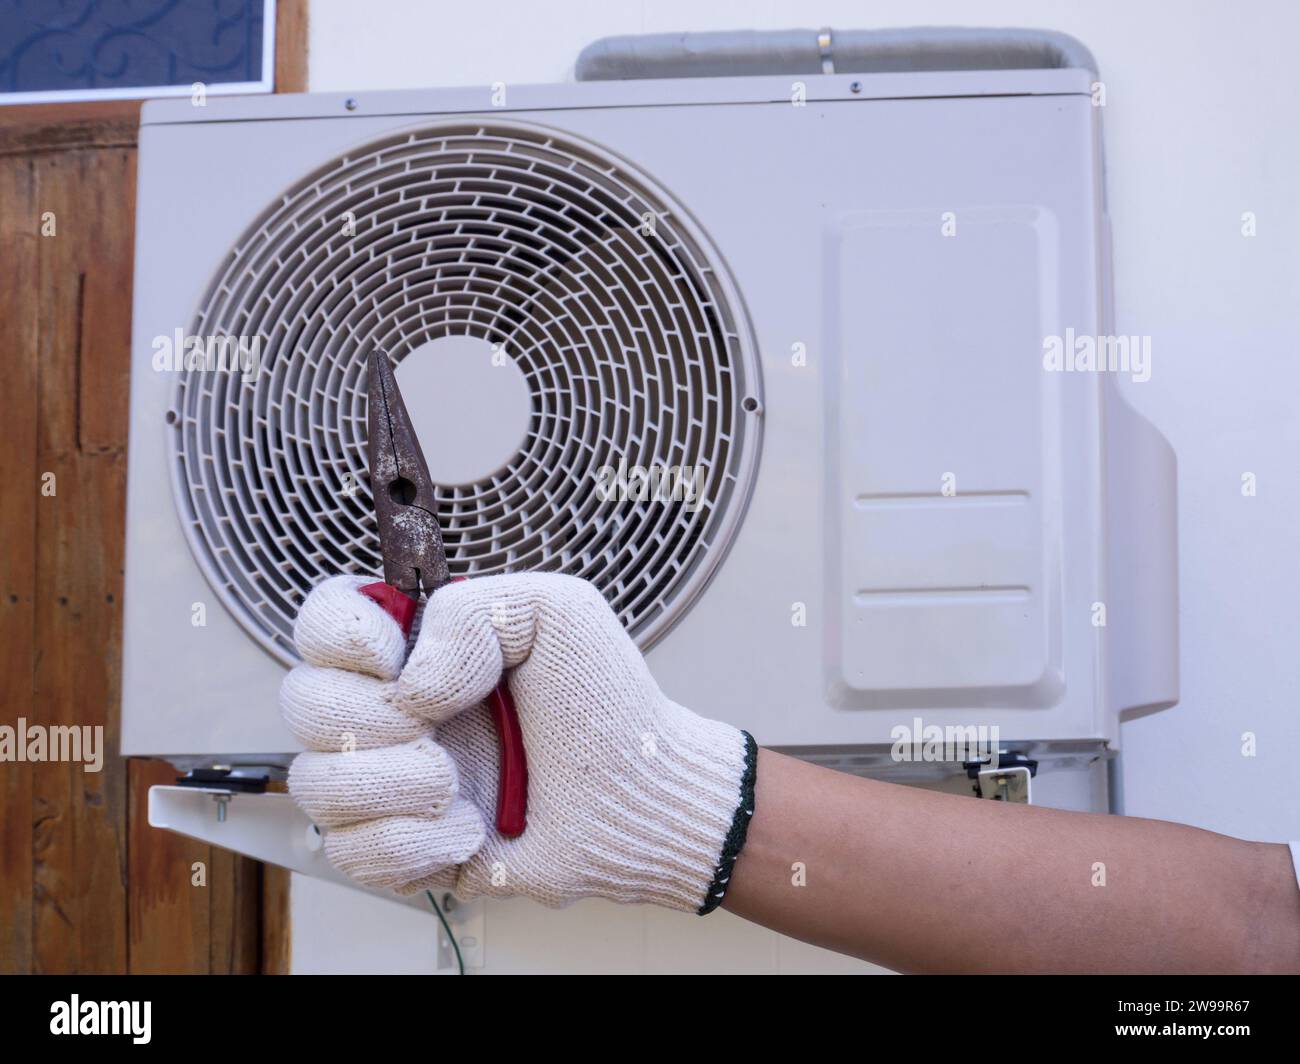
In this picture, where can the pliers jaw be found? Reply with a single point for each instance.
(409, 537)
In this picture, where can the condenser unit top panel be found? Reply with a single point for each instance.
(675, 92)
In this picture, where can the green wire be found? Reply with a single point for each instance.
(460, 961)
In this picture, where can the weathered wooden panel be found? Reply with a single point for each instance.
(19, 495)
(85, 884)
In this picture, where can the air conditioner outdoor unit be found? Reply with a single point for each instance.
(821, 303)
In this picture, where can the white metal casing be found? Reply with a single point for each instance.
(891, 355)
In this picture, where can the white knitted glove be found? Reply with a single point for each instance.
(631, 797)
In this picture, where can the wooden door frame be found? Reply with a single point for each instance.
(143, 917)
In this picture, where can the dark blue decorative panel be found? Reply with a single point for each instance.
(85, 47)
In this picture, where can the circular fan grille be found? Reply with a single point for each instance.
(609, 300)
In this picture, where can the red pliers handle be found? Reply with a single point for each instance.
(512, 787)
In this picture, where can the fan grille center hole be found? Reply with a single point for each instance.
(470, 404)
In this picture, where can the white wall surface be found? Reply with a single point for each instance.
(1201, 124)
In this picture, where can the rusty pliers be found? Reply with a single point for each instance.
(415, 562)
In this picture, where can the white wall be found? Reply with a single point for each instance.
(1202, 116)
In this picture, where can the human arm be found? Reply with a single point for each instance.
(921, 881)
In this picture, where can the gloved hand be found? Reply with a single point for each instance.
(631, 797)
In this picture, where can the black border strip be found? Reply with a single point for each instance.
(735, 840)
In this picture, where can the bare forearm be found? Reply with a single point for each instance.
(920, 881)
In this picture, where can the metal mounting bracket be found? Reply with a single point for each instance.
(1007, 776)
(270, 827)
(1004, 784)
